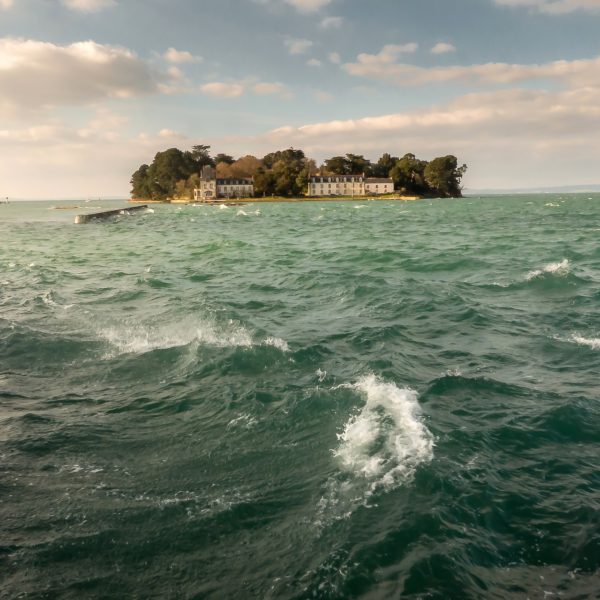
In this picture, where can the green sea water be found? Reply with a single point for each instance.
(323, 400)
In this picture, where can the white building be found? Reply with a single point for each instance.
(212, 188)
(349, 185)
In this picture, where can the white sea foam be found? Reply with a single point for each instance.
(244, 421)
(138, 339)
(277, 343)
(321, 375)
(561, 268)
(241, 213)
(359, 206)
(223, 207)
(593, 343)
(387, 440)
(380, 448)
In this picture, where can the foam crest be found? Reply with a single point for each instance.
(139, 339)
(561, 268)
(386, 441)
(593, 343)
(277, 343)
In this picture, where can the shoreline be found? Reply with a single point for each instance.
(286, 200)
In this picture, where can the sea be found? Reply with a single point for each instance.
(364, 399)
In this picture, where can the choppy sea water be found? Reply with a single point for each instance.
(322, 400)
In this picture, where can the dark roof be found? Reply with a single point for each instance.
(378, 180)
(338, 179)
(246, 181)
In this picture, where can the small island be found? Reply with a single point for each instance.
(289, 175)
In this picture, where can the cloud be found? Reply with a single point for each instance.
(443, 48)
(181, 56)
(332, 23)
(385, 67)
(36, 74)
(335, 58)
(554, 7)
(238, 89)
(314, 62)
(308, 6)
(223, 90)
(535, 137)
(88, 6)
(298, 46)
(6, 4)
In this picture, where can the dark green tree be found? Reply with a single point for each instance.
(140, 188)
(384, 165)
(224, 158)
(443, 176)
(409, 175)
(167, 169)
(201, 154)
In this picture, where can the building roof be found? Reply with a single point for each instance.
(245, 181)
(379, 180)
(338, 179)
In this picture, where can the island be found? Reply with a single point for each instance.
(196, 176)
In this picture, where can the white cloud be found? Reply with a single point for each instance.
(88, 5)
(335, 58)
(385, 67)
(308, 6)
(239, 88)
(268, 89)
(37, 74)
(6, 4)
(223, 90)
(535, 137)
(332, 23)
(314, 62)
(181, 56)
(298, 46)
(443, 48)
(555, 7)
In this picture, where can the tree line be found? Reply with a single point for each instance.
(174, 174)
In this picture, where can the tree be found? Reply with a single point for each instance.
(409, 175)
(201, 154)
(337, 165)
(167, 169)
(223, 158)
(384, 165)
(140, 188)
(357, 164)
(443, 176)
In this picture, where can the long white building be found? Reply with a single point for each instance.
(349, 185)
(212, 188)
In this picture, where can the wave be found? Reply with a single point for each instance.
(139, 339)
(387, 440)
(380, 448)
(560, 269)
(142, 338)
(593, 343)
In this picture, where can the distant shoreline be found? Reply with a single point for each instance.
(277, 199)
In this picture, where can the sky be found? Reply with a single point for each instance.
(91, 89)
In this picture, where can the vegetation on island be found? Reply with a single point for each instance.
(174, 174)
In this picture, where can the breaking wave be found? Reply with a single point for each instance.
(379, 449)
(387, 440)
(139, 339)
(593, 343)
(560, 269)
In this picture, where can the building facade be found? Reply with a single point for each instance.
(349, 185)
(212, 188)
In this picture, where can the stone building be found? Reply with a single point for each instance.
(212, 188)
(349, 185)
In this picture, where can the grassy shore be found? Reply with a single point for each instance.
(287, 199)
